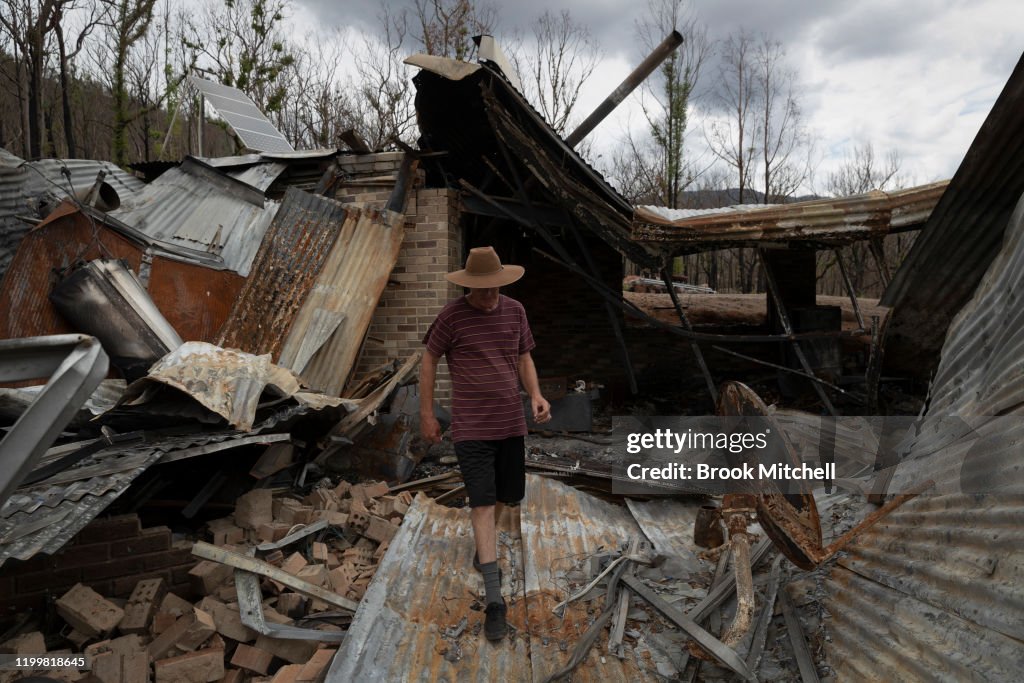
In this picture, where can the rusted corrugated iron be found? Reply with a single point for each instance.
(961, 238)
(830, 222)
(226, 381)
(289, 262)
(562, 527)
(422, 590)
(316, 287)
(193, 298)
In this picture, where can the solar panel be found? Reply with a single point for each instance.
(250, 125)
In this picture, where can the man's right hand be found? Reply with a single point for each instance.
(430, 428)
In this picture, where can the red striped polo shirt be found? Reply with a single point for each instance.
(483, 349)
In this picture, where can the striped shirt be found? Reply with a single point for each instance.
(483, 349)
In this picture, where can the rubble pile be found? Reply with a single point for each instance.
(330, 540)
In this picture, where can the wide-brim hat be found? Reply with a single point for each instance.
(484, 270)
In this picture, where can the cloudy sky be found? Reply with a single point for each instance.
(918, 76)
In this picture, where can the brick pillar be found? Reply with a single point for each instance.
(417, 289)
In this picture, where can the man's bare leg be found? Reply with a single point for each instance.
(498, 507)
(483, 519)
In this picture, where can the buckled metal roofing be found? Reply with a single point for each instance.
(826, 222)
(197, 207)
(935, 590)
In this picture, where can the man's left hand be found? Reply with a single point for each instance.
(541, 410)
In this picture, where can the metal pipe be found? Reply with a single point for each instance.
(646, 67)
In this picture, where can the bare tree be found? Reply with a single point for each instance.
(655, 163)
(381, 107)
(91, 18)
(780, 130)
(563, 59)
(29, 24)
(126, 22)
(731, 138)
(862, 172)
(446, 27)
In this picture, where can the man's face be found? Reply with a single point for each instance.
(483, 299)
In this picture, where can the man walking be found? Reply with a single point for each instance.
(487, 340)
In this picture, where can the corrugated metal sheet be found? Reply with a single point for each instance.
(980, 380)
(319, 286)
(184, 208)
(23, 183)
(193, 298)
(288, 264)
(821, 221)
(43, 517)
(225, 381)
(424, 586)
(668, 524)
(936, 590)
(961, 238)
(562, 527)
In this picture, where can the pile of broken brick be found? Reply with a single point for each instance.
(159, 636)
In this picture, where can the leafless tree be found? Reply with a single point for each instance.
(90, 17)
(381, 107)
(781, 135)
(30, 24)
(731, 137)
(862, 172)
(563, 57)
(446, 27)
(655, 162)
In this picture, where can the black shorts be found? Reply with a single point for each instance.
(493, 471)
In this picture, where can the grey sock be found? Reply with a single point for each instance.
(492, 582)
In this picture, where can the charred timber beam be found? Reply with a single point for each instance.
(540, 213)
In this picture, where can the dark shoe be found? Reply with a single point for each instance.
(477, 566)
(495, 627)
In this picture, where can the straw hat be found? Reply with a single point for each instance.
(483, 270)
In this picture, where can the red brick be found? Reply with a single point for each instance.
(149, 541)
(315, 666)
(170, 558)
(113, 568)
(208, 576)
(53, 581)
(87, 611)
(288, 674)
(25, 644)
(254, 508)
(82, 555)
(294, 651)
(187, 633)
(110, 528)
(205, 666)
(227, 620)
(380, 530)
(252, 659)
(122, 586)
